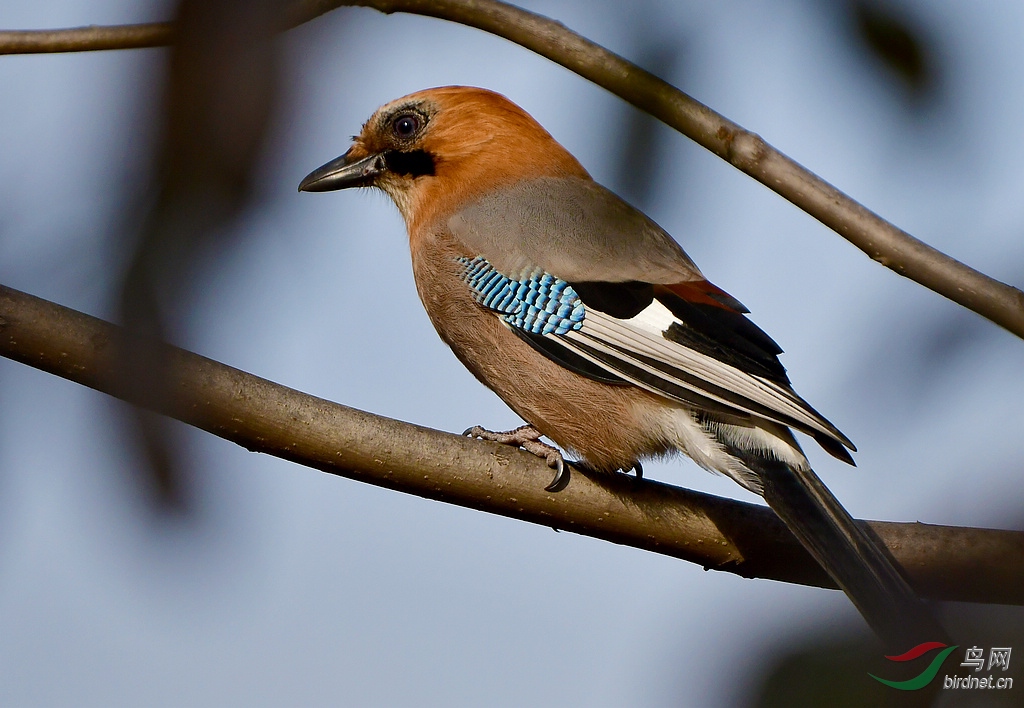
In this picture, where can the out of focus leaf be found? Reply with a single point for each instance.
(898, 42)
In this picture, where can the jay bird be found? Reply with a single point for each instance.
(595, 327)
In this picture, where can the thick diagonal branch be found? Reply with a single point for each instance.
(946, 563)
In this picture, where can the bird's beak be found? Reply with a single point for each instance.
(344, 172)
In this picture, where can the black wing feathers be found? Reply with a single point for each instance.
(714, 330)
(552, 349)
(703, 323)
(660, 384)
(621, 300)
(725, 335)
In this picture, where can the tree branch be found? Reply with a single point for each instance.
(879, 239)
(86, 39)
(943, 563)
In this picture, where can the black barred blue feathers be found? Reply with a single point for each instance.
(536, 302)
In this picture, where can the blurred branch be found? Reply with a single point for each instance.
(879, 239)
(219, 92)
(942, 563)
(86, 39)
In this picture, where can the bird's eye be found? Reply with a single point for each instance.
(407, 125)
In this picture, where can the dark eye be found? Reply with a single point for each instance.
(406, 126)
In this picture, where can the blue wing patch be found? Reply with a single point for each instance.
(536, 302)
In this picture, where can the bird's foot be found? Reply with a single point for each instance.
(528, 438)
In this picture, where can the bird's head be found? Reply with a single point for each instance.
(437, 150)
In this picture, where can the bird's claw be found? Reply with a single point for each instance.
(528, 438)
(561, 478)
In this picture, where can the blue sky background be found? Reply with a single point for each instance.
(291, 587)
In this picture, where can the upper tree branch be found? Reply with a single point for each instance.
(86, 39)
(941, 562)
(879, 239)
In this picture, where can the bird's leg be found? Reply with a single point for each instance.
(528, 438)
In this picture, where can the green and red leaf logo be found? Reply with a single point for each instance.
(926, 676)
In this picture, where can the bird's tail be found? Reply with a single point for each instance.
(849, 552)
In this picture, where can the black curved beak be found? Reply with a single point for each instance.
(342, 173)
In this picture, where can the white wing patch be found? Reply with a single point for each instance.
(655, 318)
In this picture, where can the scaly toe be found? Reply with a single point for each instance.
(517, 437)
(528, 438)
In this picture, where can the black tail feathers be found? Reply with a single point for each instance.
(852, 555)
